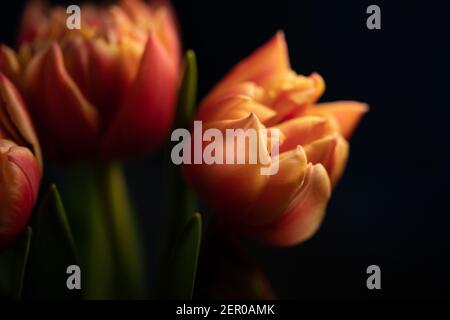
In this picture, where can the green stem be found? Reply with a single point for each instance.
(105, 232)
(117, 214)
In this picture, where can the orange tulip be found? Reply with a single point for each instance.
(20, 164)
(105, 91)
(263, 92)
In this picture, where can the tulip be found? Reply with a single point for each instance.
(106, 91)
(262, 91)
(20, 164)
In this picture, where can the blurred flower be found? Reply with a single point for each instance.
(104, 91)
(263, 92)
(20, 164)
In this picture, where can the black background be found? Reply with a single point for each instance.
(391, 207)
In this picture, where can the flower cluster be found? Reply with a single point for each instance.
(108, 91)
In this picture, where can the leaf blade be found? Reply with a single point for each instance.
(187, 95)
(182, 268)
(52, 251)
(21, 260)
(13, 264)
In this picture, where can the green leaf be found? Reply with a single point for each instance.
(187, 95)
(52, 251)
(182, 267)
(185, 205)
(20, 262)
(13, 263)
(181, 204)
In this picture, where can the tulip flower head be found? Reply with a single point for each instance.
(104, 91)
(262, 91)
(20, 164)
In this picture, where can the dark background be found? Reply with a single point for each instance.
(391, 207)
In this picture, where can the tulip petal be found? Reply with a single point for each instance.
(229, 189)
(244, 90)
(304, 215)
(14, 120)
(19, 185)
(347, 114)
(296, 94)
(33, 21)
(149, 106)
(76, 62)
(159, 18)
(61, 108)
(113, 68)
(280, 188)
(332, 152)
(9, 65)
(271, 58)
(302, 131)
(236, 107)
(322, 151)
(247, 88)
(340, 158)
(242, 127)
(165, 25)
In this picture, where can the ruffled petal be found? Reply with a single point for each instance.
(230, 189)
(280, 188)
(236, 107)
(271, 58)
(346, 114)
(304, 215)
(302, 131)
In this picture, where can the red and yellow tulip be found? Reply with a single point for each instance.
(105, 91)
(20, 164)
(262, 91)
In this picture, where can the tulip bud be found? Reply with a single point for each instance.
(106, 91)
(285, 208)
(20, 164)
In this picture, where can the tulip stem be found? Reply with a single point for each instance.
(105, 232)
(123, 236)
